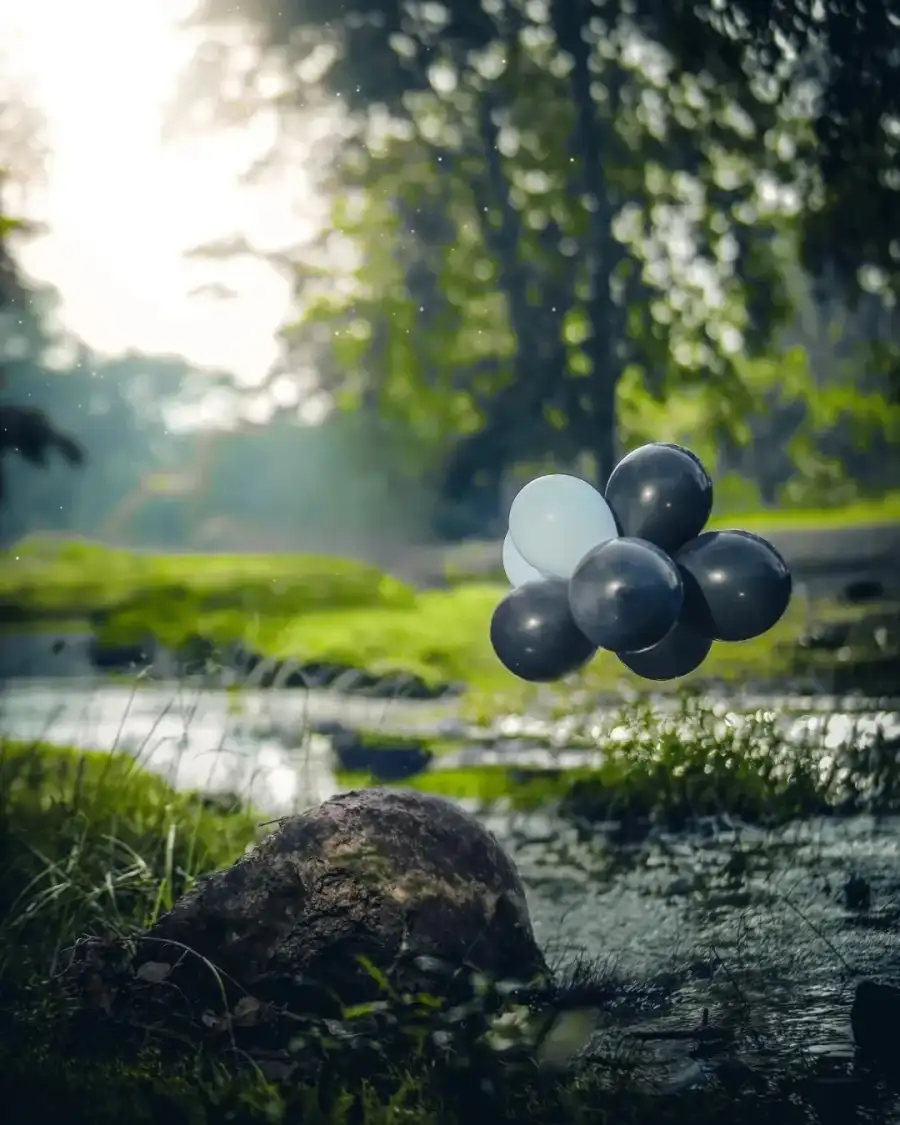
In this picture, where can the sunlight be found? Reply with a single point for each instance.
(123, 205)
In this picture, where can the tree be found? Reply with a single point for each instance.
(30, 434)
(24, 430)
(839, 59)
(519, 280)
(114, 406)
(844, 55)
(510, 179)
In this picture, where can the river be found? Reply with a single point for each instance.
(772, 934)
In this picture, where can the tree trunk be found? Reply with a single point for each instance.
(605, 347)
(604, 451)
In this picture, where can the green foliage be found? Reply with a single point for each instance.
(685, 764)
(787, 516)
(853, 225)
(10, 226)
(337, 614)
(93, 843)
(476, 252)
(43, 575)
(577, 227)
(820, 432)
(735, 494)
(371, 623)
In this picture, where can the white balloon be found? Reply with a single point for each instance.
(555, 520)
(518, 571)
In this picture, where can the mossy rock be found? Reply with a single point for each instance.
(376, 893)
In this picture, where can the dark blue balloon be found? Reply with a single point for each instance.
(682, 650)
(625, 595)
(660, 493)
(534, 635)
(737, 586)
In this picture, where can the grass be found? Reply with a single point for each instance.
(686, 764)
(45, 576)
(91, 843)
(320, 611)
(862, 513)
(91, 840)
(443, 637)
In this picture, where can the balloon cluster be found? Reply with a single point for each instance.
(631, 571)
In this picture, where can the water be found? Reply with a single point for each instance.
(729, 919)
(257, 744)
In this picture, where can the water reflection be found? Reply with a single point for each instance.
(258, 746)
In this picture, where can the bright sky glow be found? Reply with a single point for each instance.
(123, 204)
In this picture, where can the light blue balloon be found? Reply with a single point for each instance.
(555, 520)
(518, 571)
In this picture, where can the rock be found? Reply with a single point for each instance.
(386, 760)
(827, 637)
(373, 891)
(875, 1019)
(265, 672)
(862, 590)
(124, 657)
(407, 685)
(194, 655)
(857, 893)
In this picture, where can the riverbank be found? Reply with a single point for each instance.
(95, 844)
(883, 510)
(311, 622)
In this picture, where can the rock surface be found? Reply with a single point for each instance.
(373, 887)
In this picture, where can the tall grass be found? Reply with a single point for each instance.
(93, 843)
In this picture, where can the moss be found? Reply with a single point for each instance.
(442, 638)
(445, 637)
(41, 575)
(331, 613)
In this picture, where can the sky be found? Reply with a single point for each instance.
(122, 202)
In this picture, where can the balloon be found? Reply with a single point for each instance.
(737, 586)
(533, 633)
(555, 520)
(683, 649)
(661, 493)
(518, 571)
(625, 595)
